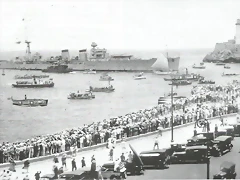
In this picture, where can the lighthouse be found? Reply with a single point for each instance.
(237, 36)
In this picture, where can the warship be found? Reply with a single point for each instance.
(96, 58)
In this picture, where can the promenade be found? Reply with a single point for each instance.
(181, 134)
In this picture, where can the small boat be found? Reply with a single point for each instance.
(3, 73)
(30, 102)
(201, 66)
(34, 84)
(90, 71)
(189, 77)
(102, 89)
(79, 96)
(202, 81)
(139, 76)
(181, 83)
(174, 94)
(106, 77)
(226, 67)
(73, 72)
(58, 68)
(230, 74)
(220, 64)
(31, 76)
(162, 73)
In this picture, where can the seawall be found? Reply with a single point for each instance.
(42, 158)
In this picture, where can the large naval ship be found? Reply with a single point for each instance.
(226, 52)
(95, 59)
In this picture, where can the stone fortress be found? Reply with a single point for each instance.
(226, 51)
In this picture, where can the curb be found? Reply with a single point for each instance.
(42, 158)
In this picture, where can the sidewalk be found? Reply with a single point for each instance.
(101, 154)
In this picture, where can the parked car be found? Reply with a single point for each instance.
(221, 145)
(157, 158)
(236, 129)
(222, 132)
(227, 171)
(229, 131)
(109, 172)
(197, 140)
(178, 147)
(192, 154)
(209, 135)
(80, 174)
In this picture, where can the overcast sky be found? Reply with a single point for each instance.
(117, 24)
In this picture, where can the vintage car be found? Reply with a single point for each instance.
(221, 145)
(229, 130)
(221, 132)
(192, 154)
(197, 141)
(177, 147)
(157, 158)
(209, 135)
(227, 171)
(108, 171)
(48, 177)
(80, 174)
(236, 127)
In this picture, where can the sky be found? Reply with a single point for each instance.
(116, 24)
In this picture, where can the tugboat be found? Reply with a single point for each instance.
(58, 68)
(201, 66)
(102, 89)
(139, 76)
(89, 71)
(181, 83)
(79, 96)
(30, 102)
(34, 84)
(106, 77)
(31, 76)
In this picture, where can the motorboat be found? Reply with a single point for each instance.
(30, 102)
(81, 96)
(180, 77)
(230, 74)
(26, 76)
(220, 64)
(181, 83)
(201, 66)
(102, 89)
(34, 84)
(89, 71)
(140, 76)
(106, 77)
(202, 81)
(226, 67)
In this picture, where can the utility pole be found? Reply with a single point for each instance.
(208, 159)
(172, 110)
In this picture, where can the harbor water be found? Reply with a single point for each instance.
(18, 123)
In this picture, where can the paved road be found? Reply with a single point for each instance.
(194, 171)
(141, 144)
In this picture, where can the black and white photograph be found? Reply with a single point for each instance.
(119, 89)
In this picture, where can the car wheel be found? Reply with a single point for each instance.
(113, 178)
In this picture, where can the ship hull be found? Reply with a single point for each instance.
(114, 65)
(33, 85)
(56, 71)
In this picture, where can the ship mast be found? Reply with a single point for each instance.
(28, 51)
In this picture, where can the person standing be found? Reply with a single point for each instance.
(111, 154)
(64, 159)
(12, 165)
(26, 165)
(74, 166)
(37, 175)
(83, 162)
(156, 144)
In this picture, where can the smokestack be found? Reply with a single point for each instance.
(65, 55)
(83, 55)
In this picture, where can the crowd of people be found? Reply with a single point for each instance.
(205, 102)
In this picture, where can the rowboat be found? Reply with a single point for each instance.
(78, 96)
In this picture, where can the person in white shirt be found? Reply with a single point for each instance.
(156, 144)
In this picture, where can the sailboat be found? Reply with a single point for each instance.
(166, 65)
(3, 73)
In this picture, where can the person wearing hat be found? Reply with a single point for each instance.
(64, 159)
(74, 165)
(37, 175)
